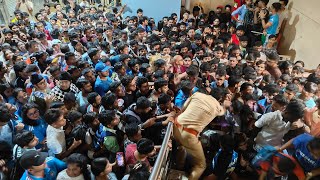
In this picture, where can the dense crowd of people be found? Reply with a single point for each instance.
(87, 94)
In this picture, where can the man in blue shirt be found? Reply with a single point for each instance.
(186, 90)
(103, 81)
(307, 152)
(39, 166)
(241, 12)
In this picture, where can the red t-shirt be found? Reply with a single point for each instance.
(235, 39)
(298, 171)
(130, 158)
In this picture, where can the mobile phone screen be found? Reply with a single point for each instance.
(120, 159)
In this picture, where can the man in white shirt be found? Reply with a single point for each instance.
(276, 124)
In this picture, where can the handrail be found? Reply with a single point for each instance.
(164, 146)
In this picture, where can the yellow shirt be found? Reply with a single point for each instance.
(200, 110)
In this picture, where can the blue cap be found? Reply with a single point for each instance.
(102, 67)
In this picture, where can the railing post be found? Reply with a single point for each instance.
(162, 156)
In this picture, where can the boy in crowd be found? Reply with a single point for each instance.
(56, 140)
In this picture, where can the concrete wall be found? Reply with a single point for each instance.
(302, 32)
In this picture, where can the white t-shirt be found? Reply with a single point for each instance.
(64, 176)
(56, 140)
(273, 129)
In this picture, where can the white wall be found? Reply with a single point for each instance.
(302, 32)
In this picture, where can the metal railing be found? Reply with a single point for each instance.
(162, 163)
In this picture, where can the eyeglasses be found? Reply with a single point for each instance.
(34, 113)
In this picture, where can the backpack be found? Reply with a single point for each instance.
(266, 154)
(17, 171)
(129, 112)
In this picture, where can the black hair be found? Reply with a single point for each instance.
(132, 63)
(205, 66)
(159, 83)
(81, 161)
(192, 71)
(221, 72)
(145, 146)
(118, 66)
(139, 171)
(272, 55)
(98, 165)
(159, 63)
(52, 115)
(126, 80)
(5, 113)
(186, 87)
(68, 55)
(311, 87)
(131, 129)
(218, 93)
(92, 52)
(280, 99)
(285, 78)
(19, 67)
(89, 117)
(143, 67)
(164, 98)
(159, 74)
(271, 88)
(139, 10)
(92, 97)
(292, 87)
(16, 92)
(69, 97)
(24, 112)
(73, 116)
(106, 117)
(143, 103)
(245, 85)
(276, 6)
(295, 110)
(301, 62)
(81, 83)
(286, 165)
(108, 100)
(23, 138)
(233, 80)
(141, 80)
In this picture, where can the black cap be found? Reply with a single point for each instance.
(36, 78)
(32, 158)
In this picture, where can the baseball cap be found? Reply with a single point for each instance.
(102, 67)
(55, 42)
(32, 158)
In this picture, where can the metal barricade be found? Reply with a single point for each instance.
(161, 166)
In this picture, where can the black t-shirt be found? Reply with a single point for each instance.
(129, 99)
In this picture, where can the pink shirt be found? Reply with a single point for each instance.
(130, 158)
